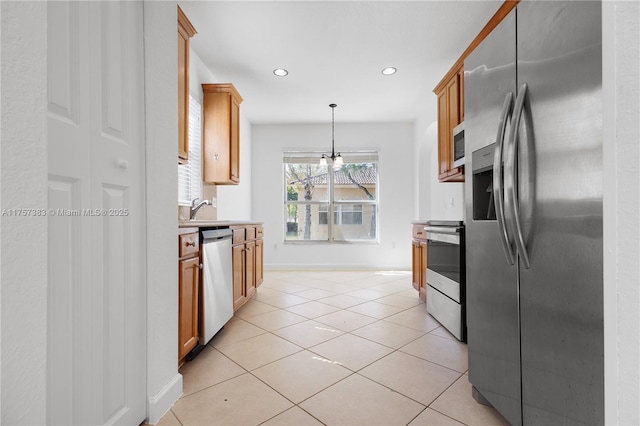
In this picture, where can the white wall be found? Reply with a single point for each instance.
(233, 201)
(621, 90)
(164, 384)
(447, 198)
(435, 200)
(422, 166)
(23, 186)
(395, 144)
(199, 74)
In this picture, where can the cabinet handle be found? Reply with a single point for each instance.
(248, 248)
(200, 266)
(190, 244)
(122, 164)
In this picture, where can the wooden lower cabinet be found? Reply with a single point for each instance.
(419, 260)
(259, 262)
(188, 289)
(247, 255)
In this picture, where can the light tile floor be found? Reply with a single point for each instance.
(331, 347)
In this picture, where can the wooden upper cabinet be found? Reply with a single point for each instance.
(450, 94)
(221, 134)
(185, 32)
(450, 113)
(443, 138)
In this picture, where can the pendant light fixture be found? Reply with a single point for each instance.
(335, 159)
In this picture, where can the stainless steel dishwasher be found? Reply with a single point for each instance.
(217, 281)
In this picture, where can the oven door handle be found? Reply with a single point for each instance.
(442, 230)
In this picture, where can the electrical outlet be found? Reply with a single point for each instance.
(214, 202)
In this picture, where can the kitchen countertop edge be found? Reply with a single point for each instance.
(211, 223)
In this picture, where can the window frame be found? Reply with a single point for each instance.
(331, 204)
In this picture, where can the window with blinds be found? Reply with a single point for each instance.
(323, 203)
(190, 174)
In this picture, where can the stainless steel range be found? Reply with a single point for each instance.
(446, 288)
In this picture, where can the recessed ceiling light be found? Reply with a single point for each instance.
(389, 71)
(280, 72)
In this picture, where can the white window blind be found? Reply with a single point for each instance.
(190, 174)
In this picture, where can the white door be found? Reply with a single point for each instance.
(96, 370)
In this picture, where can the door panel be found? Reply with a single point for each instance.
(97, 316)
(239, 294)
(492, 286)
(250, 277)
(561, 295)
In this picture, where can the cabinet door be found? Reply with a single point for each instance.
(188, 305)
(423, 270)
(234, 149)
(215, 128)
(415, 264)
(444, 156)
(183, 97)
(185, 32)
(259, 262)
(239, 294)
(221, 134)
(250, 268)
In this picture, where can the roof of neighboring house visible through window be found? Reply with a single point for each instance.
(365, 176)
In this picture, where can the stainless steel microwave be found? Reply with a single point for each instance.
(458, 145)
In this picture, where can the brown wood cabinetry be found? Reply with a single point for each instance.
(450, 113)
(185, 32)
(450, 94)
(188, 288)
(221, 134)
(247, 255)
(419, 260)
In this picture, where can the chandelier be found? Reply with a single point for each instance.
(336, 159)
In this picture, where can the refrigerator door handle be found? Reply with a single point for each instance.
(512, 194)
(507, 110)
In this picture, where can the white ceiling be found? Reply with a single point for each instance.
(334, 52)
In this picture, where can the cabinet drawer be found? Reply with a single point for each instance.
(259, 233)
(251, 233)
(188, 244)
(419, 232)
(238, 235)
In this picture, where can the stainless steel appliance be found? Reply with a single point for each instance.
(217, 281)
(446, 275)
(458, 145)
(533, 199)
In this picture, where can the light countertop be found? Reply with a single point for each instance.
(212, 223)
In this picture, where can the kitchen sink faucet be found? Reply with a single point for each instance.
(195, 206)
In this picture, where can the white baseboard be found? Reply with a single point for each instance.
(324, 267)
(159, 404)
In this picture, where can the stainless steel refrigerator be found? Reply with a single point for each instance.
(533, 200)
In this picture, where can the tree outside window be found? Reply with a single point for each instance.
(314, 194)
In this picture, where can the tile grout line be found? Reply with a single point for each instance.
(310, 349)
